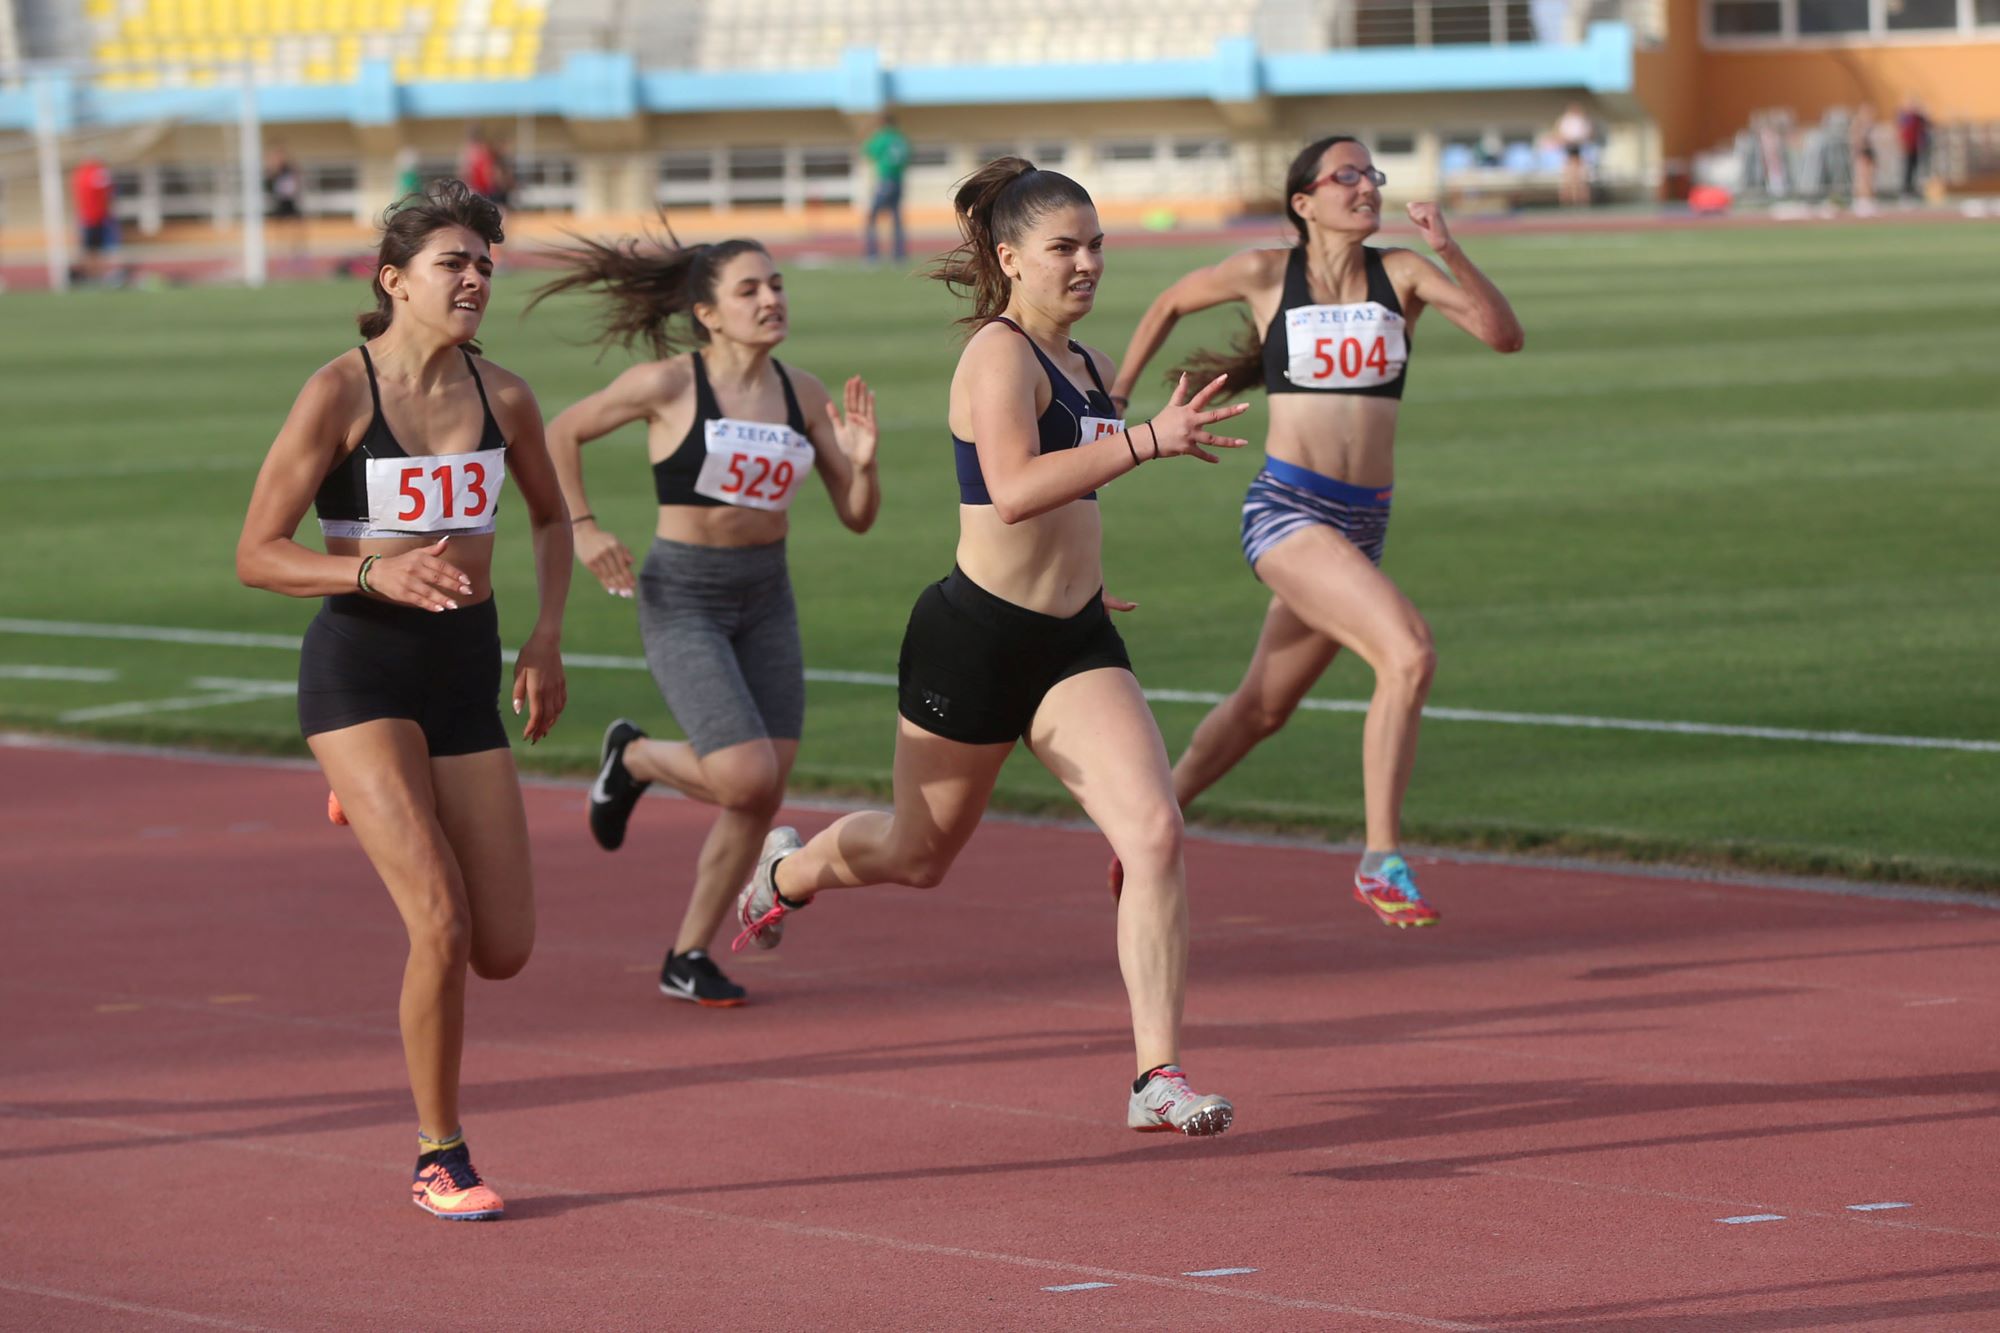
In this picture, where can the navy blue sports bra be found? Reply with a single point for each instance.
(342, 499)
(1061, 427)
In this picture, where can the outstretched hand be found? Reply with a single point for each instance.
(857, 433)
(605, 556)
(1180, 428)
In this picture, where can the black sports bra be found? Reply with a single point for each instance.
(676, 475)
(1062, 426)
(1360, 349)
(472, 490)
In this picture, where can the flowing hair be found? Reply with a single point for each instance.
(1243, 362)
(408, 225)
(647, 283)
(999, 202)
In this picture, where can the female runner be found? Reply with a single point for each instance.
(402, 447)
(1016, 643)
(732, 433)
(1336, 315)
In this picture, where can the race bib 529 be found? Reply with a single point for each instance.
(753, 464)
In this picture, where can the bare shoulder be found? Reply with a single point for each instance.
(1107, 369)
(1259, 266)
(337, 390)
(810, 388)
(1404, 263)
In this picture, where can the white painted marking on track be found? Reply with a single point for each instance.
(1873, 1207)
(1081, 1286)
(222, 690)
(1924, 1004)
(125, 1307)
(1751, 1217)
(1219, 1272)
(83, 675)
(232, 639)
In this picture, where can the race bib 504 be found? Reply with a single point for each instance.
(1344, 346)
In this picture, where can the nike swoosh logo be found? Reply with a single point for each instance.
(598, 794)
(684, 987)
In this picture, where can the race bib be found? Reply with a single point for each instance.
(753, 464)
(1096, 428)
(1344, 346)
(441, 493)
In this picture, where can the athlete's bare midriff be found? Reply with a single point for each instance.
(1052, 563)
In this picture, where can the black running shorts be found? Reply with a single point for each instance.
(363, 660)
(974, 668)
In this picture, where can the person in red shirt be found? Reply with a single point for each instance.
(90, 184)
(1913, 132)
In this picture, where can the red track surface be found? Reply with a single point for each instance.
(1531, 1117)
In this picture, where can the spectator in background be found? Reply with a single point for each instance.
(477, 162)
(1575, 131)
(502, 192)
(1913, 132)
(889, 151)
(283, 187)
(409, 179)
(90, 184)
(1861, 154)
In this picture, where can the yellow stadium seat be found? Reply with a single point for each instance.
(98, 9)
(319, 71)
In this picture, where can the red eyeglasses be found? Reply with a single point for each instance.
(1348, 176)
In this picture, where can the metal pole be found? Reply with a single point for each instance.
(256, 266)
(55, 225)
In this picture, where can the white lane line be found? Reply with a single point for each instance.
(1873, 1207)
(1219, 1272)
(84, 675)
(1081, 1286)
(1751, 1217)
(221, 690)
(1925, 1004)
(1575, 721)
(126, 1307)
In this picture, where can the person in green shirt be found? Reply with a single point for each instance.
(889, 150)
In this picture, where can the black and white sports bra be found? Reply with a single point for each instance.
(383, 490)
(724, 461)
(1360, 349)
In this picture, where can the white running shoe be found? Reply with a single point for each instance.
(758, 910)
(1167, 1102)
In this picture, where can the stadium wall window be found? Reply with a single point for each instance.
(332, 189)
(1746, 18)
(1986, 13)
(1912, 15)
(1393, 143)
(929, 157)
(689, 179)
(1128, 150)
(1052, 154)
(827, 174)
(1819, 17)
(1201, 150)
(545, 183)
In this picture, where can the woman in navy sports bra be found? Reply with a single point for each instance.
(403, 447)
(733, 434)
(1016, 644)
(1330, 343)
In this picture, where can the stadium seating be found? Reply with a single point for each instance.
(173, 43)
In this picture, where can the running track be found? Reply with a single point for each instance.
(1533, 1117)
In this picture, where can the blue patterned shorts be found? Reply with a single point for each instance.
(1285, 497)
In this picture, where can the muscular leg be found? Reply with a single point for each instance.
(479, 807)
(1333, 589)
(1096, 734)
(941, 789)
(381, 771)
(1290, 656)
(748, 782)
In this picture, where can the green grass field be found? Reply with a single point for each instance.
(1740, 477)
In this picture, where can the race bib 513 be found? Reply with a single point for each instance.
(441, 493)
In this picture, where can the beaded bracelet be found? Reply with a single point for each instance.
(361, 574)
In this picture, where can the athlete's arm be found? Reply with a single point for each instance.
(1472, 301)
(844, 441)
(538, 671)
(1236, 278)
(1002, 373)
(268, 554)
(633, 396)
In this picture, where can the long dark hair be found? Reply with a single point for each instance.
(1243, 363)
(409, 224)
(996, 203)
(647, 283)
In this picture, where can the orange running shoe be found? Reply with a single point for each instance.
(334, 814)
(446, 1186)
(1392, 895)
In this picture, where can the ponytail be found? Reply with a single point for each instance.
(1243, 363)
(998, 203)
(646, 284)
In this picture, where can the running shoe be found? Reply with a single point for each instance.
(1115, 877)
(1392, 895)
(616, 791)
(334, 814)
(758, 910)
(694, 976)
(446, 1186)
(1168, 1103)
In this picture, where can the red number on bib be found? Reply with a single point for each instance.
(763, 475)
(442, 476)
(1350, 365)
(735, 482)
(1321, 355)
(475, 485)
(781, 476)
(1378, 357)
(407, 487)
